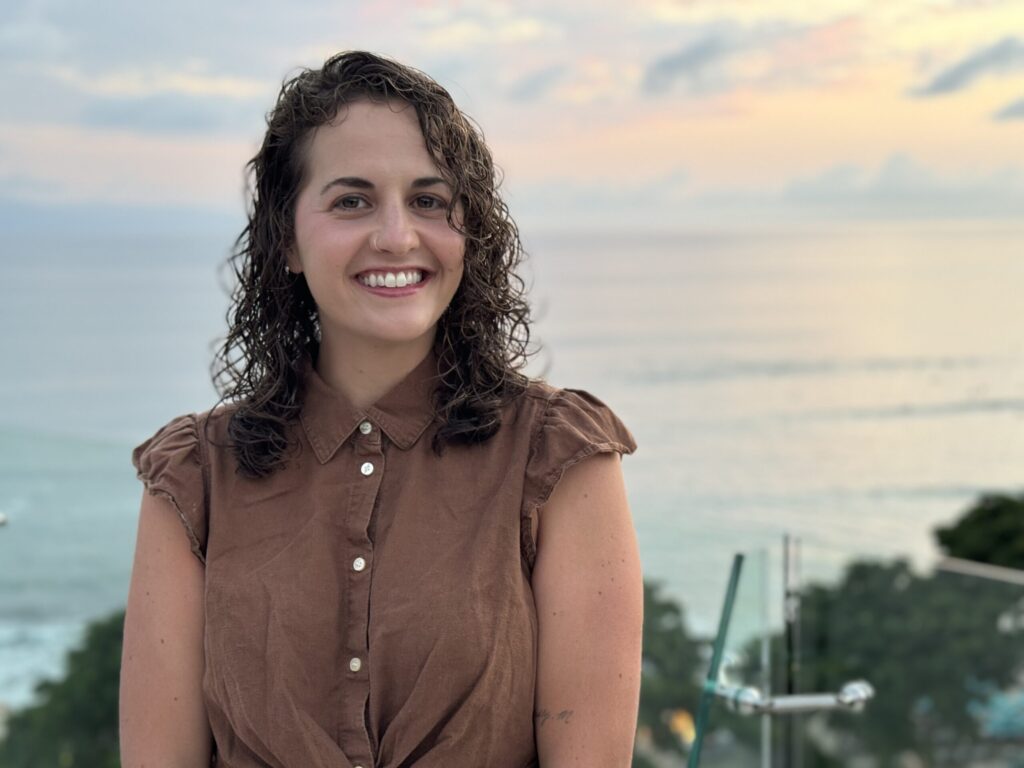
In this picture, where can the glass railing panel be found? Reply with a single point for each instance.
(739, 668)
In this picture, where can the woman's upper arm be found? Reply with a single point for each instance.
(588, 588)
(163, 719)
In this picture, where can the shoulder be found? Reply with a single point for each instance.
(178, 452)
(175, 463)
(568, 426)
(568, 410)
(218, 417)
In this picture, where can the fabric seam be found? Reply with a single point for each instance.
(156, 490)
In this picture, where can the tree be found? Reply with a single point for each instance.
(924, 643)
(671, 666)
(991, 532)
(74, 722)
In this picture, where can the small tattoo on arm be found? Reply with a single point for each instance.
(543, 716)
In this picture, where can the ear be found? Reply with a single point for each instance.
(292, 260)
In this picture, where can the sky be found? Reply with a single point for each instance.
(658, 115)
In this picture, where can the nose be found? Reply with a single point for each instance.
(396, 232)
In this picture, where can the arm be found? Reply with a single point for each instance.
(163, 720)
(588, 587)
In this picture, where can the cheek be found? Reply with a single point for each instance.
(455, 252)
(322, 242)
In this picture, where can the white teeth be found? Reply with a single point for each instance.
(392, 279)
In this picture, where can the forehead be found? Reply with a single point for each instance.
(368, 134)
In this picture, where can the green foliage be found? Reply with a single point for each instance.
(639, 761)
(671, 666)
(991, 532)
(925, 644)
(74, 722)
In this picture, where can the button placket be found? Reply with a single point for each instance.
(368, 466)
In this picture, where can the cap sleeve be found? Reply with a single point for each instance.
(170, 464)
(574, 425)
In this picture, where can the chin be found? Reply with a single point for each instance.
(400, 336)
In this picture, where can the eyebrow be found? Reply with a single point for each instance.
(358, 183)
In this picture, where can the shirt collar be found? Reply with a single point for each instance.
(329, 417)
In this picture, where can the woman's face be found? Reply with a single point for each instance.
(372, 209)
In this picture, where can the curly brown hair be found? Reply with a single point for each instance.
(482, 337)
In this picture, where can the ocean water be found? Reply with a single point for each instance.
(855, 386)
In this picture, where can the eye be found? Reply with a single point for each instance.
(431, 203)
(344, 202)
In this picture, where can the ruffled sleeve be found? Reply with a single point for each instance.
(573, 425)
(171, 464)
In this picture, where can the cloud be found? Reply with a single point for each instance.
(76, 164)
(190, 80)
(1003, 56)
(613, 203)
(24, 39)
(1012, 111)
(536, 84)
(19, 215)
(902, 186)
(777, 52)
(694, 63)
(899, 188)
(486, 26)
(164, 113)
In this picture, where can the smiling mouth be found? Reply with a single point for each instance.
(392, 278)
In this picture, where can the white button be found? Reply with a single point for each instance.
(367, 468)
(358, 564)
(355, 664)
(366, 427)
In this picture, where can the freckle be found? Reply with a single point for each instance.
(600, 592)
(176, 698)
(620, 674)
(161, 641)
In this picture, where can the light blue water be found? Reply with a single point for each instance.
(855, 387)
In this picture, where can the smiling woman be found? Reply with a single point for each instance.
(395, 550)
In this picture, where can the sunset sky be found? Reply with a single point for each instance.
(657, 115)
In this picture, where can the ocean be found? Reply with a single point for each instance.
(854, 385)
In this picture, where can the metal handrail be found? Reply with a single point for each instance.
(748, 701)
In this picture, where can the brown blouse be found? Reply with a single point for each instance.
(370, 604)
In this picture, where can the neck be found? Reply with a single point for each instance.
(366, 371)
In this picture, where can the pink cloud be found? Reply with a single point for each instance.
(824, 50)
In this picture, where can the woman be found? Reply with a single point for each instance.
(395, 553)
